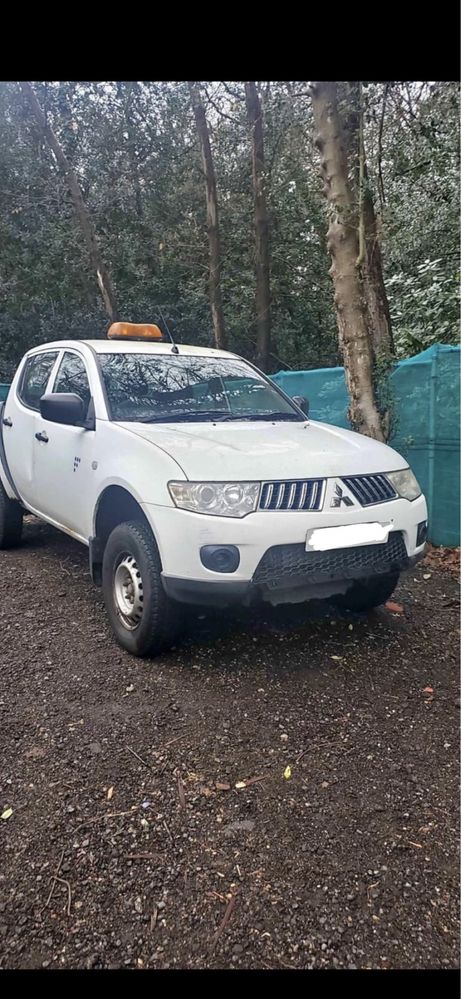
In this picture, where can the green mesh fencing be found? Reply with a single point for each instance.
(3, 391)
(426, 402)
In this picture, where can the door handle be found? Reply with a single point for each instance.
(7, 422)
(42, 436)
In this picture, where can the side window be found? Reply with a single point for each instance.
(72, 377)
(35, 377)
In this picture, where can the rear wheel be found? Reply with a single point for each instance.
(11, 515)
(368, 593)
(144, 620)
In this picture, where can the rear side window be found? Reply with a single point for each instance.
(35, 378)
(72, 377)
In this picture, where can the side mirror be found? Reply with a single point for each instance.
(67, 408)
(302, 403)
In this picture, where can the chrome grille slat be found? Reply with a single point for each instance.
(294, 494)
(370, 489)
(377, 482)
(280, 496)
(367, 490)
(291, 495)
(270, 490)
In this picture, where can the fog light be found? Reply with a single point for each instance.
(421, 533)
(220, 558)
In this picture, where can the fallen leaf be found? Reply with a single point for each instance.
(427, 575)
(337, 658)
(222, 787)
(7, 813)
(428, 690)
(205, 791)
(129, 688)
(324, 783)
(393, 608)
(110, 793)
(287, 773)
(249, 781)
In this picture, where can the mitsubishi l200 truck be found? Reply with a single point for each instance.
(192, 478)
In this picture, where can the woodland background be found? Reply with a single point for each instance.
(135, 150)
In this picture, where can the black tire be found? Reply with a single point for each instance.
(11, 514)
(368, 593)
(131, 546)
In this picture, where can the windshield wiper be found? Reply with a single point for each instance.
(186, 416)
(260, 416)
(214, 416)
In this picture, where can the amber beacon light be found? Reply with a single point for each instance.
(134, 331)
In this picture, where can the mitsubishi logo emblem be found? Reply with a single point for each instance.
(339, 498)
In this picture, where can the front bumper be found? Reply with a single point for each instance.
(278, 588)
(181, 534)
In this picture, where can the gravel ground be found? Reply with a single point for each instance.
(154, 821)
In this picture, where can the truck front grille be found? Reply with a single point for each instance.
(369, 489)
(297, 494)
(282, 562)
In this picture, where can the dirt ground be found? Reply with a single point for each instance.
(154, 820)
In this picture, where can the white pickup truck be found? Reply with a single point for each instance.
(192, 478)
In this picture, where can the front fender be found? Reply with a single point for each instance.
(134, 464)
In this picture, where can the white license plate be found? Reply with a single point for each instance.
(322, 539)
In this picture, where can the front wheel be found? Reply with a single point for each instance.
(368, 593)
(144, 620)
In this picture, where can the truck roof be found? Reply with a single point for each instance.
(134, 347)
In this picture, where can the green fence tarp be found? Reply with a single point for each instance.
(426, 401)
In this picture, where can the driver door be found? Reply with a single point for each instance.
(63, 456)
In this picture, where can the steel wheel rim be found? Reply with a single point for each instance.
(128, 592)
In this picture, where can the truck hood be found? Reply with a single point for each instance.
(261, 450)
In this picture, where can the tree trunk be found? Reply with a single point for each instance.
(83, 215)
(343, 244)
(373, 283)
(214, 244)
(379, 319)
(263, 298)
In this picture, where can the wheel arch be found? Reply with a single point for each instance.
(115, 505)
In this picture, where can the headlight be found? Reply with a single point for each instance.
(222, 499)
(405, 483)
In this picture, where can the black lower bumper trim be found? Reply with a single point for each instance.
(95, 552)
(222, 593)
(219, 594)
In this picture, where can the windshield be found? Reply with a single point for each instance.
(152, 388)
